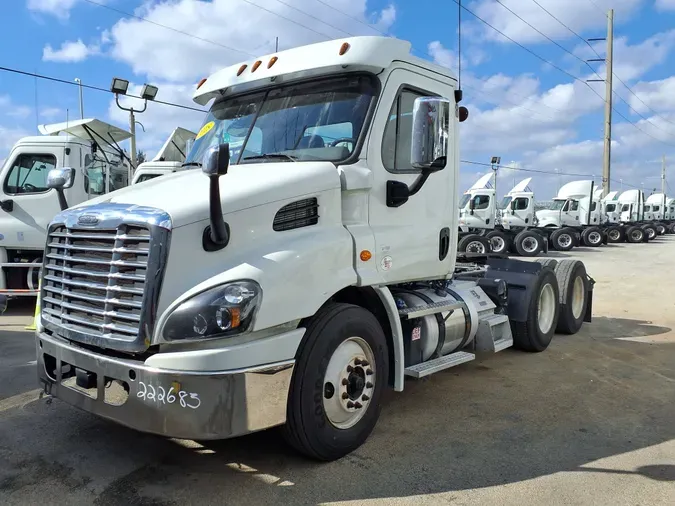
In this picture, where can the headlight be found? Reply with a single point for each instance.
(222, 311)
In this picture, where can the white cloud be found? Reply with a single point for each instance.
(236, 31)
(69, 51)
(58, 8)
(665, 5)
(579, 15)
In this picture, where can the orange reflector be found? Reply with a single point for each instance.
(255, 66)
(236, 317)
(272, 61)
(241, 69)
(365, 255)
(201, 82)
(344, 48)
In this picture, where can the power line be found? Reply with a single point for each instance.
(312, 17)
(96, 88)
(141, 18)
(598, 7)
(351, 17)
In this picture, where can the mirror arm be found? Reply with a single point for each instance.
(217, 234)
(63, 203)
(418, 183)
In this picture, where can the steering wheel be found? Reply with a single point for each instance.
(31, 188)
(342, 139)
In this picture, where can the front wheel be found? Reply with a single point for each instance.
(615, 235)
(341, 370)
(562, 240)
(635, 234)
(591, 237)
(474, 243)
(660, 229)
(499, 241)
(650, 232)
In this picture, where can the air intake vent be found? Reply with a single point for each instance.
(302, 213)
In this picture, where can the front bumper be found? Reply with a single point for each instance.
(179, 404)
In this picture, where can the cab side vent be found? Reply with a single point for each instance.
(302, 213)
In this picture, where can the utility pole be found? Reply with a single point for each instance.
(607, 155)
(132, 129)
(663, 182)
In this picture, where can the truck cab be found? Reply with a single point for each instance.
(477, 207)
(28, 203)
(169, 158)
(307, 267)
(517, 207)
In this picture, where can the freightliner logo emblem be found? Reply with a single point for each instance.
(87, 219)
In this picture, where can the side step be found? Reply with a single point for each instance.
(433, 308)
(438, 364)
(494, 333)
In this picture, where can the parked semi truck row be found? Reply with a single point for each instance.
(291, 281)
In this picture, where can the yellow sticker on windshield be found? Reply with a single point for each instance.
(205, 129)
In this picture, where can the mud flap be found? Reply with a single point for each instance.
(520, 277)
(589, 307)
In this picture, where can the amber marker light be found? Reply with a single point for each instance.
(272, 61)
(241, 69)
(202, 81)
(255, 66)
(365, 255)
(344, 48)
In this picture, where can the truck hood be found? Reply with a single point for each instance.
(185, 194)
(547, 214)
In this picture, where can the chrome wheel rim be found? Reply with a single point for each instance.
(349, 383)
(564, 240)
(614, 235)
(475, 247)
(594, 238)
(636, 235)
(546, 308)
(578, 296)
(498, 244)
(651, 233)
(530, 245)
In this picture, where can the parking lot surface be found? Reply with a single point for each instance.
(589, 421)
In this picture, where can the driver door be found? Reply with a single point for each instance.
(570, 213)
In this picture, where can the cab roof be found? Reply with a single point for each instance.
(366, 53)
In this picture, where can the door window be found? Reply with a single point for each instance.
(29, 174)
(521, 203)
(481, 201)
(574, 205)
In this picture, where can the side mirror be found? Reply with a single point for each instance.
(215, 164)
(61, 179)
(430, 133)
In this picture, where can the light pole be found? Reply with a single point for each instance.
(495, 161)
(149, 92)
(79, 82)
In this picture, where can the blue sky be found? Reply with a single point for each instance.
(532, 115)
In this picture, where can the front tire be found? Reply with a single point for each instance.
(591, 237)
(535, 334)
(474, 243)
(499, 241)
(341, 370)
(650, 232)
(562, 240)
(635, 234)
(660, 229)
(615, 235)
(528, 244)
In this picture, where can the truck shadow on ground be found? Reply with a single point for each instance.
(501, 419)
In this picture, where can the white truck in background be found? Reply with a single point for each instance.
(656, 209)
(170, 158)
(636, 225)
(28, 201)
(291, 281)
(484, 227)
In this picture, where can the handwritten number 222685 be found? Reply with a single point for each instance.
(150, 393)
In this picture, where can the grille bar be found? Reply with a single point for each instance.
(94, 261)
(97, 274)
(95, 298)
(94, 286)
(98, 249)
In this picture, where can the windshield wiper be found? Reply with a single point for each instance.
(191, 164)
(272, 156)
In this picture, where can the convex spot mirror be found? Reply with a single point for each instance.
(216, 160)
(61, 179)
(430, 133)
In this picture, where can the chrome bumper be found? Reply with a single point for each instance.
(180, 404)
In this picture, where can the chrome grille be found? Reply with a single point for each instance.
(94, 280)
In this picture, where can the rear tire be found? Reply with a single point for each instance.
(499, 241)
(562, 240)
(650, 232)
(635, 234)
(528, 244)
(660, 229)
(474, 243)
(319, 423)
(535, 334)
(615, 235)
(573, 285)
(592, 237)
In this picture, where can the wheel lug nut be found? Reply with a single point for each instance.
(364, 397)
(350, 368)
(350, 404)
(345, 382)
(369, 385)
(365, 363)
(369, 372)
(358, 405)
(345, 395)
(357, 361)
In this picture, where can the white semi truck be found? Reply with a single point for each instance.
(636, 223)
(484, 227)
(90, 148)
(656, 207)
(168, 159)
(292, 281)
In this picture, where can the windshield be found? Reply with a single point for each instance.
(464, 200)
(557, 205)
(318, 120)
(505, 202)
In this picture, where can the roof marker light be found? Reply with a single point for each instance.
(344, 48)
(255, 66)
(202, 81)
(241, 69)
(272, 61)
